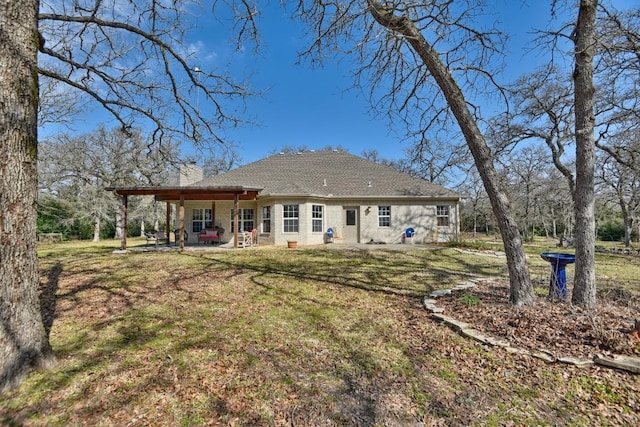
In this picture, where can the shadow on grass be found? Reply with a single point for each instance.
(411, 274)
(48, 297)
(117, 328)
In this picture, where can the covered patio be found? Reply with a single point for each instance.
(178, 195)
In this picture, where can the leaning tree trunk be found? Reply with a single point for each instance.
(23, 341)
(584, 288)
(521, 288)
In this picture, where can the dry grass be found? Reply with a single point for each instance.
(285, 337)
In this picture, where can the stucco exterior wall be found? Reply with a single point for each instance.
(421, 217)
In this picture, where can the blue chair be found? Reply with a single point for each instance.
(328, 238)
(408, 235)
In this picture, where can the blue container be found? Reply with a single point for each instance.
(558, 281)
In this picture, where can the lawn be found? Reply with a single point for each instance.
(290, 337)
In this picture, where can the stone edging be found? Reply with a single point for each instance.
(627, 363)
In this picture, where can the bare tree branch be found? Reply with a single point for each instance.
(133, 59)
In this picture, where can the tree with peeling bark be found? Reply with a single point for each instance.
(24, 344)
(129, 58)
(584, 288)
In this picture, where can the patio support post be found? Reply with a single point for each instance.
(181, 221)
(213, 213)
(123, 237)
(235, 220)
(167, 227)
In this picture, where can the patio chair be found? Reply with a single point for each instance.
(157, 237)
(328, 237)
(409, 235)
(176, 236)
(245, 239)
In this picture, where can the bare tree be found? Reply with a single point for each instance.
(87, 45)
(406, 75)
(526, 174)
(407, 25)
(78, 168)
(438, 160)
(129, 58)
(476, 204)
(543, 111)
(57, 106)
(584, 39)
(217, 163)
(617, 71)
(621, 180)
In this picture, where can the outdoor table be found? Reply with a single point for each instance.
(558, 281)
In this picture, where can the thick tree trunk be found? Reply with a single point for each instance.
(584, 288)
(521, 288)
(23, 341)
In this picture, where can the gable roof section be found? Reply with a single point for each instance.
(327, 173)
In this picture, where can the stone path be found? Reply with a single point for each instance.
(627, 363)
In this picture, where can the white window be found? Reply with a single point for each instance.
(442, 215)
(290, 218)
(201, 219)
(245, 220)
(317, 222)
(384, 216)
(266, 219)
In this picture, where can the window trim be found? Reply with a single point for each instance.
(204, 221)
(382, 216)
(291, 221)
(266, 219)
(443, 216)
(242, 219)
(315, 219)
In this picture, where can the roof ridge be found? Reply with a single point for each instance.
(328, 172)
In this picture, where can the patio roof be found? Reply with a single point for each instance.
(178, 194)
(216, 192)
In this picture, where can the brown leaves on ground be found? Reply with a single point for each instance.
(555, 326)
(270, 338)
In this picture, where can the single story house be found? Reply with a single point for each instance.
(300, 196)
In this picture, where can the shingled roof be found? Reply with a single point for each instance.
(326, 173)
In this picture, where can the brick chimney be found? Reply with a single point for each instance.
(190, 173)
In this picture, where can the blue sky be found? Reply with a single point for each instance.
(318, 107)
(315, 107)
